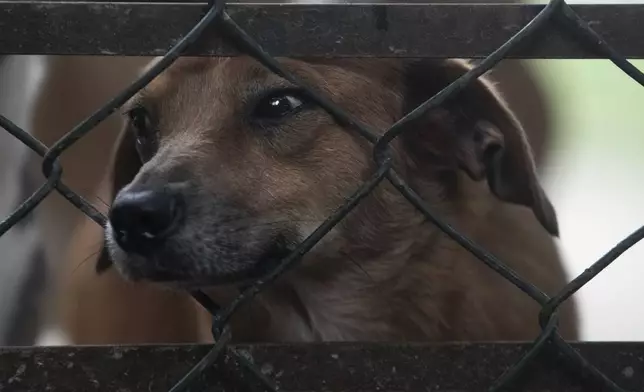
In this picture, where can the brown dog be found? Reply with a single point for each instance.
(225, 167)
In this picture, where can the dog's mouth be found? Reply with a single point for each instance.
(271, 258)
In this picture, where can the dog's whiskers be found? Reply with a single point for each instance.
(86, 259)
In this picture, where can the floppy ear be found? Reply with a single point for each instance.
(476, 132)
(125, 165)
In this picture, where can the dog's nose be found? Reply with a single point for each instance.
(143, 218)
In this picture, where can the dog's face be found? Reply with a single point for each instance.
(224, 167)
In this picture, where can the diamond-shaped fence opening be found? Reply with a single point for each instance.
(221, 21)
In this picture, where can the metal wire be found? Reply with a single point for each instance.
(556, 10)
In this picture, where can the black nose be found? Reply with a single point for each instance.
(142, 219)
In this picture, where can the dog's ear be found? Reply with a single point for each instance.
(125, 165)
(476, 132)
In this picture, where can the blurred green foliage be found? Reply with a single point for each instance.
(595, 106)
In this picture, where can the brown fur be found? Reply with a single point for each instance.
(384, 273)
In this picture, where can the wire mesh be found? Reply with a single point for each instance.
(556, 11)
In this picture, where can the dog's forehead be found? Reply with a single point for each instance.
(218, 73)
(228, 72)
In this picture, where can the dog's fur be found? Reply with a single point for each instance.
(383, 273)
(106, 309)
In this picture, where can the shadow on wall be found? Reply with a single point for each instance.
(594, 177)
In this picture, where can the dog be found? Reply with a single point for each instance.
(223, 168)
(87, 82)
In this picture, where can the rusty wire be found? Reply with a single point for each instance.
(557, 11)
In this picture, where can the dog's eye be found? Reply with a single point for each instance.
(145, 132)
(279, 104)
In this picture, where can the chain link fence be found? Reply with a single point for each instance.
(215, 15)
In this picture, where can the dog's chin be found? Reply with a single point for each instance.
(137, 269)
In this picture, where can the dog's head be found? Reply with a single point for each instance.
(223, 166)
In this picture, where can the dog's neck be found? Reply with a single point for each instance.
(348, 306)
(384, 277)
(367, 284)
(353, 287)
